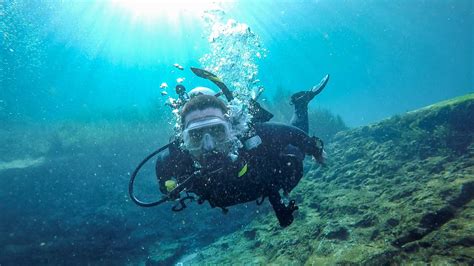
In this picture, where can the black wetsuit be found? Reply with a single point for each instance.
(262, 171)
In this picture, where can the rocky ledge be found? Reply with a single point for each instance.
(394, 192)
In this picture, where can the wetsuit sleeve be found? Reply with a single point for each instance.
(163, 172)
(277, 136)
(172, 163)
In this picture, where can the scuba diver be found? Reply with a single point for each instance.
(214, 162)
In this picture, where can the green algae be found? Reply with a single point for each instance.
(394, 192)
(450, 102)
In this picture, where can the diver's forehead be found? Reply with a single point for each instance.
(202, 114)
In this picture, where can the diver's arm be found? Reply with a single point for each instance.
(171, 165)
(162, 170)
(278, 136)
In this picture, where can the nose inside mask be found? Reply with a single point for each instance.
(208, 143)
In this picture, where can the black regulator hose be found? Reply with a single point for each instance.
(134, 175)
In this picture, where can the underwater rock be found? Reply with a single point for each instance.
(337, 232)
(168, 255)
(367, 220)
(250, 234)
(465, 195)
(404, 187)
(392, 222)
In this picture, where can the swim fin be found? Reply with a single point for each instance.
(258, 112)
(302, 98)
(214, 79)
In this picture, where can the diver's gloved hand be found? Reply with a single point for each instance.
(170, 185)
(285, 214)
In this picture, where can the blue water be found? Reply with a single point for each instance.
(385, 57)
(71, 69)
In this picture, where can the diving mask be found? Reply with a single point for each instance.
(205, 135)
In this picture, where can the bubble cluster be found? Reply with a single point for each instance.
(234, 52)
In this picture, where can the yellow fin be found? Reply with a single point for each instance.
(215, 79)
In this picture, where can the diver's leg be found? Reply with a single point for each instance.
(279, 136)
(300, 117)
(301, 100)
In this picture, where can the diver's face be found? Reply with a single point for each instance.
(206, 135)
